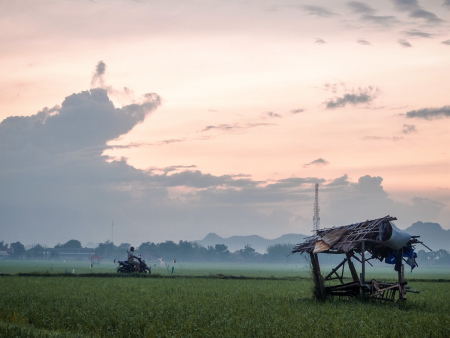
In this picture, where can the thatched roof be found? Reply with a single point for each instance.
(379, 235)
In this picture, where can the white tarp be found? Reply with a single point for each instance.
(397, 239)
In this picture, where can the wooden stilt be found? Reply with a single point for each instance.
(363, 263)
(401, 277)
(351, 266)
(318, 280)
(363, 271)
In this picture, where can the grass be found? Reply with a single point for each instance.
(287, 269)
(180, 269)
(273, 301)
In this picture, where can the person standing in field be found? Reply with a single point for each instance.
(132, 259)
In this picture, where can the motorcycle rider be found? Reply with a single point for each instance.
(132, 259)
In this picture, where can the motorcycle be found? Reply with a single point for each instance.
(125, 267)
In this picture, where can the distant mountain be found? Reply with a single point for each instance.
(258, 243)
(431, 234)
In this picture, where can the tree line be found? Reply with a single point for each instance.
(168, 251)
(188, 251)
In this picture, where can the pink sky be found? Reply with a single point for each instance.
(264, 90)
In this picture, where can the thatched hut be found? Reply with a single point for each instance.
(373, 239)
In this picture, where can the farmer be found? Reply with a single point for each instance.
(132, 259)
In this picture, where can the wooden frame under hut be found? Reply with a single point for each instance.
(379, 238)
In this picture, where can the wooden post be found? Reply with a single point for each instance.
(401, 276)
(351, 266)
(319, 289)
(399, 265)
(363, 271)
(363, 262)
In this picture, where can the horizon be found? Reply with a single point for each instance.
(180, 118)
(85, 245)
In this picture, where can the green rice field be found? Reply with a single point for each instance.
(68, 299)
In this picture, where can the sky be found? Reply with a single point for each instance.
(137, 121)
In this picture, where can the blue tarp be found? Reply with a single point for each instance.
(408, 253)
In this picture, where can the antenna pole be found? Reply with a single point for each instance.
(316, 218)
(112, 232)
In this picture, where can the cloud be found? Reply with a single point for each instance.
(320, 41)
(376, 138)
(145, 144)
(271, 114)
(297, 111)
(293, 182)
(428, 16)
(84, 120)
(415, 11)
(320, 162)
(50, 197)
(333, 87)
(363, 42)
(409, 128)
(98, 76)
(170, 141)
(371, 184)
(446, 42)
(367, 14)
(361, 95)
(196, 179)
(98, 80)
(340, 181)
(234, 126)
(429, 113)
(406, 5)
(57, 184)
(56, 179)
(446, 3)
(417, 33)
(347, 195)
(224, 126)
(360, 7)
(404, 43)
(344, 196)
(318, 11)
(380, 20)
(173, 168)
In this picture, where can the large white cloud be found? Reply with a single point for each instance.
(54, 179)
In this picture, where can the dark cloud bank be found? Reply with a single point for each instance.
(56, 185)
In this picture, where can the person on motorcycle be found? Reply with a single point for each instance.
(132, 259)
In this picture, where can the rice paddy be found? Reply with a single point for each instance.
(242, 301)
